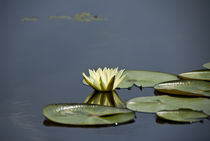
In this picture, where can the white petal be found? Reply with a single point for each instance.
(118, 81)
(105, 80)
(90, 82)
(119, 74)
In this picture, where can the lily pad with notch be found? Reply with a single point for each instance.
(185, 87)
(86, 114)
(182, 115)
(145, 78)
(153, 104)
(197, 75)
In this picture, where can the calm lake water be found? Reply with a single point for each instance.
(42, 61)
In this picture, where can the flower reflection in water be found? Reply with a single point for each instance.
(105, 98)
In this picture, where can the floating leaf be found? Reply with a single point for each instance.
(207, 65)
(105, 99)
(183, 115)
(60, 17)
(185, 87)
(198, 75)
(87, 17)
(153, 104)
(85, 114)
(145, 78)
(28, 19)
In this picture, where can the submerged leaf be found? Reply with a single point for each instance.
(198, 75)
(185, 87)
(145, 78)
(153, 104)
(183, 115)
(85, 114)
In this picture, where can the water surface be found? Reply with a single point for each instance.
(42, 61)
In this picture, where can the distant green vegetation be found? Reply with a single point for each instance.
(30, 19)
(81, 17)
(60, 17)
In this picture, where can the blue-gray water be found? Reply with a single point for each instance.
(42, 61)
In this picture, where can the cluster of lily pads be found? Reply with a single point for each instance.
(182, 98)
(82, 17)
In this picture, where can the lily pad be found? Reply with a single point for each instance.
(207, 65)
(185, 87)
(85, 114)
(198, 75)
(60, 17)
(153, 104)
(145, 78)
(87, 17)
(30, 19)
(183, 115)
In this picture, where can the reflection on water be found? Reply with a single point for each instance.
(105, 98)
(19, 116)
(164, 121)
(157, 93)
(49, 123)
(22, 119)
(25, 120)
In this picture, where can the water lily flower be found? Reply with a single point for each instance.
(104, 80)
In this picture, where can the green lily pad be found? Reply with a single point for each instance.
(183, 115)
(85, 114)
(185, 87)
(145, 78)
(60, 17)
(153, 104)
(87, 17)
(207, 65)
(198, 75)
(30, 19)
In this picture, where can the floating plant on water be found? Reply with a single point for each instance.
(30, 19)
(87, 114)
(189, 101)
(80, 17)
(87, 17)
(104, 80)
(207, 65)
(185, 88)
(60, 17)
(145, 78)
(197, 75)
